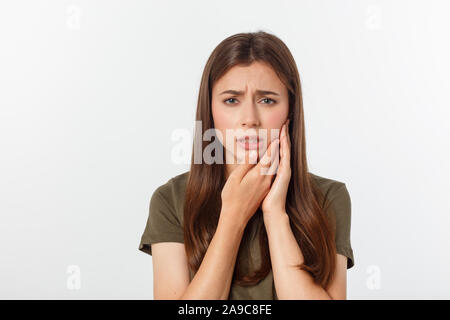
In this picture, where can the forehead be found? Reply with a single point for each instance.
(258, 75)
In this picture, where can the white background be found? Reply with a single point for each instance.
(92, 91)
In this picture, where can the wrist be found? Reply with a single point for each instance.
(275, 219)
(231, 223)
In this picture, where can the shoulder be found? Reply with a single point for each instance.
(165, 218)
(337, 205)
(171, 194)
(330, 188)
(174, 186)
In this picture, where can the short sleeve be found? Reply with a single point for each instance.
(163, 224)
(340, 203)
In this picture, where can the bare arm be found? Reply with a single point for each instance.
(291, 282)
(213, 278)
(243, 192)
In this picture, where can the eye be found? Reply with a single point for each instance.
(225, 101)
(273, 101)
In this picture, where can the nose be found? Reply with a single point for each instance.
(250, 117)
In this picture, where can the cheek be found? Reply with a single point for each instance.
(221, 123)
(275, 121)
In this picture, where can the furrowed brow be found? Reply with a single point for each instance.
(259, 92)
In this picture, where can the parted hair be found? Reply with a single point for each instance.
(315, 233)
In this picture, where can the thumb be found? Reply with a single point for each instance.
(269, 162)
(249, 161)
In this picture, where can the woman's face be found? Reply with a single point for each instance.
(249, 100)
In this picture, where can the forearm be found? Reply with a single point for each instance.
(285, 254)
(213, 278)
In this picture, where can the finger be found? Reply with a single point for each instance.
(275, 163)
(269, 157)
(286, 145)
(281, 150)
(287, 134)
(283, 131)
(285, 159)
(264, 161)
(243, 168)
(282, 134)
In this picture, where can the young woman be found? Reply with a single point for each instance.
(225, 230)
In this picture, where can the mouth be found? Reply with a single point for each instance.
(250, 142)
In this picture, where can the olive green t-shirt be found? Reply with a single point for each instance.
(165, 224)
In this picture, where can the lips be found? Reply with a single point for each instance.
(250, 139)
(250, 142)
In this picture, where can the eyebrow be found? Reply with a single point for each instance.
(260, 92)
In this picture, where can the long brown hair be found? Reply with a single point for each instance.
(202, 204)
